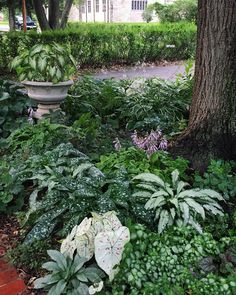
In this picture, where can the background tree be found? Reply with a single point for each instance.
(148, 14)
(180, 10)
(58, 13)
(211, 132)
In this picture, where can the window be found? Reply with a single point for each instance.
(97, 5)
(89, 6)
(139, 4)
(104, 5)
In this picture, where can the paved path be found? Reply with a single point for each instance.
(4, 28)
(167, 72)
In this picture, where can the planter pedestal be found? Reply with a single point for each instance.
(48, 95)
(44, 109)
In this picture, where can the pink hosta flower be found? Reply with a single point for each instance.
(151, 142)
(117, 144)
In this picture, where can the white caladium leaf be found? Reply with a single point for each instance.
(109, 247)
(106, 222)
(68, 247)
(85, 245)
(111, 221)
(95, 288)
(84, 227)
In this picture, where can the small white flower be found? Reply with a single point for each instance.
(96, 288)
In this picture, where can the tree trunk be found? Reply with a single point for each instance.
(54, 14)
(41, 16)
(11, 11)
(65, 13)
(211, 132)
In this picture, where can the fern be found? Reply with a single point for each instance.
(174, 205)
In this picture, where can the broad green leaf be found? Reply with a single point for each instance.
(83, 289)
(92, 275)
(42, 282)
(51, 266)
(60, 287)
(58, 257)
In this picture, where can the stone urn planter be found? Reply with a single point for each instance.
(47, 95)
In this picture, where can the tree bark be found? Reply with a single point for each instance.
(11, 11)
(65, 13)
(211, 132)
(54, 14)
(41, 16)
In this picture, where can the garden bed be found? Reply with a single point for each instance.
(109, 152)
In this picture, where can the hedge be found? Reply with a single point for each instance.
(95, 45)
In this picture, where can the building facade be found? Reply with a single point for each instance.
(111, 10)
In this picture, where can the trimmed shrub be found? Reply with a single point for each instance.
(95, 45)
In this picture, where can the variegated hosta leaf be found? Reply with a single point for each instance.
(196, 206)
(163, 220)
(175, 202)
(195, 224)
(184, 207)
(149, 177)
(147, 187)
(109, 247)
(175, 177)
(180, 186)
(213, 209)
(211, 193)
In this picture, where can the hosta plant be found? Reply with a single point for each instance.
(44, 63)
(174, 204)
(102, 236)
(69, 276)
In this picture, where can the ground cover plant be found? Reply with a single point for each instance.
(96, 158)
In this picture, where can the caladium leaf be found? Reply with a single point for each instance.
(109, 247)
(85, 245)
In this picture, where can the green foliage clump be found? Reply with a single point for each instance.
(135, 161)
(23, 256)
(174, 204)
(180, 10)
(164, 262)
(44, 63)
(13, 107)
(69, 275)
(220, 176)
(140, 104)
(96, 45)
